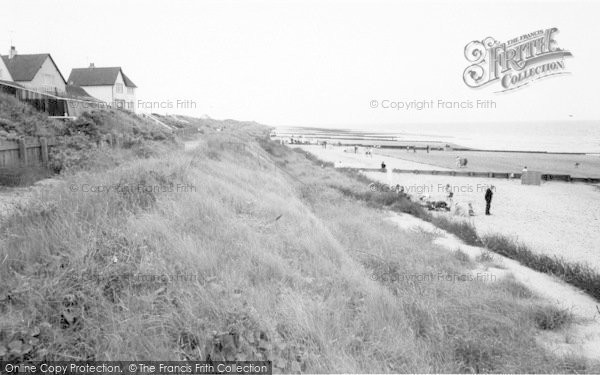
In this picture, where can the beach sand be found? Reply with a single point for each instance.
(556, 218)
(511, 162)
(351, 160)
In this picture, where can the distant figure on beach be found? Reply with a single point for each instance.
(449, 194)
(414, 148)
(355, 149)
(524, 169)
(577, 165)
(471, 211)
(461, 162)
(383, 165)
(488, 199)
(428, 149)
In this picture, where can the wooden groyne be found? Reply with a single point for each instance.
(504, 175)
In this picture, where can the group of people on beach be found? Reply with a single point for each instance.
(457, 209)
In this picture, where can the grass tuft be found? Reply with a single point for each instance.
(551, 317)
(579, 275)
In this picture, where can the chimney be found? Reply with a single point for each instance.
(92, 65)
(13, 52)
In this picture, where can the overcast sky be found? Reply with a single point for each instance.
(314, 62)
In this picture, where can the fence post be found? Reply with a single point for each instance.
(44, 150)
(22, 152)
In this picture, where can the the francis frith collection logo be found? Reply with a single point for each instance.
(515, 63)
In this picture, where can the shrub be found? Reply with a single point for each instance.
(70, 152)
(551, 317)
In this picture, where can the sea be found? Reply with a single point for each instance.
(572, 136)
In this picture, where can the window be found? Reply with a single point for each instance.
(0, 73)
(130, 90)
(119, 88)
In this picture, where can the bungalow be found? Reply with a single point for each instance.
(37, 72)
(110, 85)
(36, 79)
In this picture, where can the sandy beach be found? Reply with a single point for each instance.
(511, 162)
(349, 159)
(555, 218)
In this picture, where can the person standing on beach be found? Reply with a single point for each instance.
(488, 199)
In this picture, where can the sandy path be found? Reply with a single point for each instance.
(580, 338)
(555, 218)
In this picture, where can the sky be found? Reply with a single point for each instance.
(314, 63)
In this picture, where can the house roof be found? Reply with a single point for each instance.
(98, 77)
(74, 91)
(25, 67)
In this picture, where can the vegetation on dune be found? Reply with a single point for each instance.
(18, 119)
(579, 275)
(229, 252)
(76, 141)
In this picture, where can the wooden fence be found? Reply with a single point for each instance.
(25, 152)
(34, 152)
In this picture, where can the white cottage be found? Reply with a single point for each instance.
(110, 85)
(37, 72)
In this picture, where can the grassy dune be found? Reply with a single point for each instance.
(243, 249)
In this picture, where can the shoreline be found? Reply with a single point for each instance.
(390, 139)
